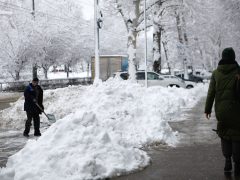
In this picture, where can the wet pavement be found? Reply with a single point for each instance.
(197, 156)
(11, 140)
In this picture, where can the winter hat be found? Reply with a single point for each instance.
(35, 79)
(228, 54)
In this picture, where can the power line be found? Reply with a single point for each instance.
(26, 10)
(15, 7)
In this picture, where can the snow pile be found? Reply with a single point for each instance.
(79, 149)
(101, 131)
(54, 102)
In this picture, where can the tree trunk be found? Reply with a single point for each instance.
(187, 56)
(132, 55)
(17, 75)
(184, 27)
(179, 28)
(181, 48)
(219, 43)
(157, 47)
(157, 37)
(166, 55)
(34, 71)
(45, 70)
(131, 25)
(67, 70)
(82, 67)
(88, 66)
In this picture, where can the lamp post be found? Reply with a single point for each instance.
(145, 40)
(34, 65)
(96, 32)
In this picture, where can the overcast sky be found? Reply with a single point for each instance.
(88, 9)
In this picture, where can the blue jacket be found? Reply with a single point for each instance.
(32, 94)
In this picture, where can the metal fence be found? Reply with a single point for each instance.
(19, 86)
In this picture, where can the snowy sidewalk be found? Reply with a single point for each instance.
(197, 157)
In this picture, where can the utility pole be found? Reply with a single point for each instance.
(145, 54)
(34, 66)
(33, 9)
(96, 32)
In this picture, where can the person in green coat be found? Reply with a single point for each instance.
(227, 108)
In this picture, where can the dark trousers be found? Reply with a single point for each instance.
(231, 149)
(36, 123)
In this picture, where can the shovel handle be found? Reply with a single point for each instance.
(41, 110)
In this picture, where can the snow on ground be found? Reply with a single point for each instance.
(51, 75)
(100, 131)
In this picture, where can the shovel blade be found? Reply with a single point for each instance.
(51, 118)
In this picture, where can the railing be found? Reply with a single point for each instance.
(19, 86)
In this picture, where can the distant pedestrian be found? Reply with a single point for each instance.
(33, 95)
(227, 108)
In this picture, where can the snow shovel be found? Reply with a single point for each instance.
(51, 117)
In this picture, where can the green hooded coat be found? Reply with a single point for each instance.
(227, 107)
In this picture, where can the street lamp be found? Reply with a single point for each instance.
(100, 21)
(145, 32)
(96, 32)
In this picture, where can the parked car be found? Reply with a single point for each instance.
(154, 79)
(191, 78)
(188, 84)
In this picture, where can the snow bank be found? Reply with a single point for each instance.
(101, 130)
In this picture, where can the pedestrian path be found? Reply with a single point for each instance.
(197, 156)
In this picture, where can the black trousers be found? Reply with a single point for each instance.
(36, 123)
(231, 149)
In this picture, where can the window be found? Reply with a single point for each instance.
(152, 76)
(124, 76)
(140, 76)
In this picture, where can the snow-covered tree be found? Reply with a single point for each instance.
(131, 12)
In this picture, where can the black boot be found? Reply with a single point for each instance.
(228, 165)
(37, 133)
(25, 134)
